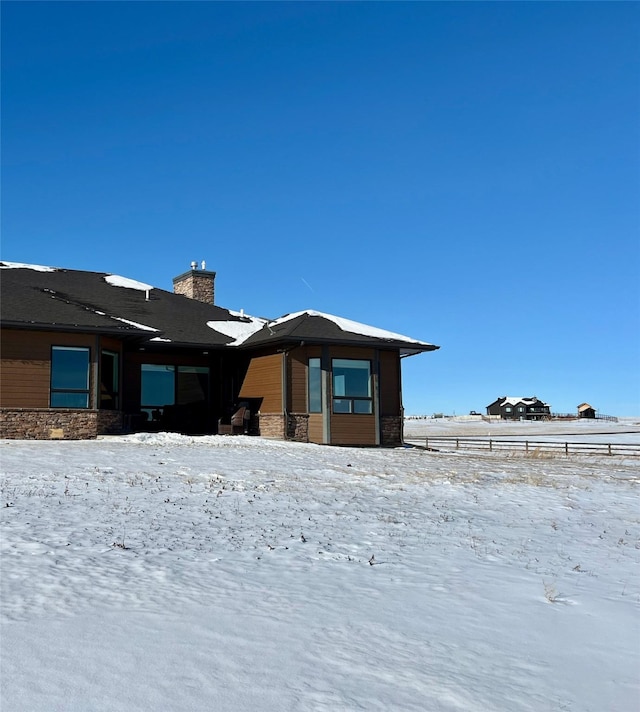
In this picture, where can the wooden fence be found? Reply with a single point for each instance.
(531, 447)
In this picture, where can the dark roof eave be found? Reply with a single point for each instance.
(169, 344)
(415, 351)
(45, 326)
(405, 348)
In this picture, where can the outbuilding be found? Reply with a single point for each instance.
(586, 411)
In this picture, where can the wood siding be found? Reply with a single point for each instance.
(389, 383)
(351, 352)
(353, 429)
(315, 428)
(264, 380)
(298, 363)
(25, 368)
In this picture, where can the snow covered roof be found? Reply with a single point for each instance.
(308, 324)
(585, 406)
(315, 327)
(37, 296)
(353, 327)
(517, 400)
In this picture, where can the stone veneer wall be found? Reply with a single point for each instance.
(298, 427)
(43, 424)
(197, 284)
(272, 425)
(58, 424)
(110, 422)
(391, 430)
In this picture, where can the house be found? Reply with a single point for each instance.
(511, 408)
(586, 411)
(90, 353)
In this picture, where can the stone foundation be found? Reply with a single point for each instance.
(298, 427)
(272, 425)
(110, 422)
(58, 424)
(391, 430)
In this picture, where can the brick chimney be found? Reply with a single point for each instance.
(196, 284)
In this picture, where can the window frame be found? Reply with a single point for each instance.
(314, 388)
(156, 411)
(114, 393)
(351, 402)
(66, 390)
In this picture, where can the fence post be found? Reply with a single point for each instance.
(609, 446)
(457, 444)
(526, 446)
(490, 445)
(566, 449)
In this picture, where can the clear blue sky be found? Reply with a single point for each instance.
(464, 173)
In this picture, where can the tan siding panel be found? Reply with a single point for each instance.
(298, 380)
(264, 380)
(24, 384)
(299, 359)
(353, 429)
(315, 428)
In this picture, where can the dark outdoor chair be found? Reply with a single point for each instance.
(238, 423)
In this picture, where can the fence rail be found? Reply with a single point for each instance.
(527, 446)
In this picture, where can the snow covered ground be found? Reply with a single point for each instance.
(162, 572)
(626, 430)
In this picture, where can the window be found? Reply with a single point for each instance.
(314, 386)
(351, 386)
(167, 385)
(158, 385)
(109, 381)
(520, 409)
(507, 409)
(69, 377)
(192, 385)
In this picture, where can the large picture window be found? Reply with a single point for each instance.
(351, 386)
(170, 392)
(69, 377)
(315, 386)
(158, 386)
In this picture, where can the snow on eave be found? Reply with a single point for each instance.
(353, 327)
(116, 280)
(134, 323)
(23, 265)
(512, 400)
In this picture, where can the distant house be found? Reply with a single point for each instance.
(516, 408)
(586, 411)
(91, 353)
